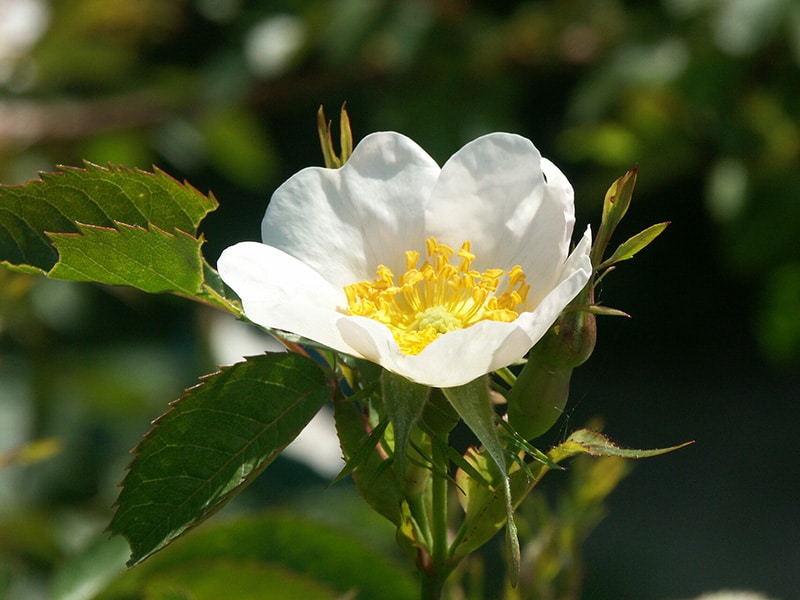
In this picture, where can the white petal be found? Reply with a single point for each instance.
(493, 192)
(448, 361)
(280, 292)
(454, 359)
(574, 275)
(344, 222)
(546, 240)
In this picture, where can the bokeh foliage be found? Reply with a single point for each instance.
(702, 94)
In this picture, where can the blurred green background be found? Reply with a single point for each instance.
(704, 95)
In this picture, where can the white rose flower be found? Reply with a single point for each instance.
(439, 275)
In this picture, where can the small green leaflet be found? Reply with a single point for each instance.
(630, 247)
(149, 259)
(212, 443)
(586, 441)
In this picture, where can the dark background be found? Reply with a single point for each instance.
(701, 94)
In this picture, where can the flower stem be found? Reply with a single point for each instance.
(433, 580)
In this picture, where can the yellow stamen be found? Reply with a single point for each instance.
(436, 297)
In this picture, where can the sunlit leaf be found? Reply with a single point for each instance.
(586, 441)
(94, 195)
(630, 247)
(111, 225)
(213, 442)
(149, 259)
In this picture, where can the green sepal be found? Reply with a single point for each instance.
(471, 402)
(362, 452)
(404, 401)
(485, 505)
(630, 247)
(473, 405)
(605, 311)
(615, 205)
(439, 417)
(485, 499)
(332, 160)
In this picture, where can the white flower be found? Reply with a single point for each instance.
(344, 261)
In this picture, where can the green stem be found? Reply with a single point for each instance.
(432, 586)
(433, 580)
(416, 505)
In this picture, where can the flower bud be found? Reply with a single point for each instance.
(540, 393)
(569, 342)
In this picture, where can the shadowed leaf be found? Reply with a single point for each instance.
(211, 444)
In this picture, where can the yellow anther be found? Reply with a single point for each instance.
(436, 297)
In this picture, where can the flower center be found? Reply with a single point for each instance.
(437, 296)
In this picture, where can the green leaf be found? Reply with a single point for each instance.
(205, 579)
(279, 552)
(472, 404)
(374, 481)
(82, 577)
(112, 225)
(586, 441)
(630, 247)
(485, 506)
(213, 442)
(362, 451)
(93, 195)
(404, 401)
(149, 259)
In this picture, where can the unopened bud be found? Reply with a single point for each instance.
(569, 342)
(540, 393)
